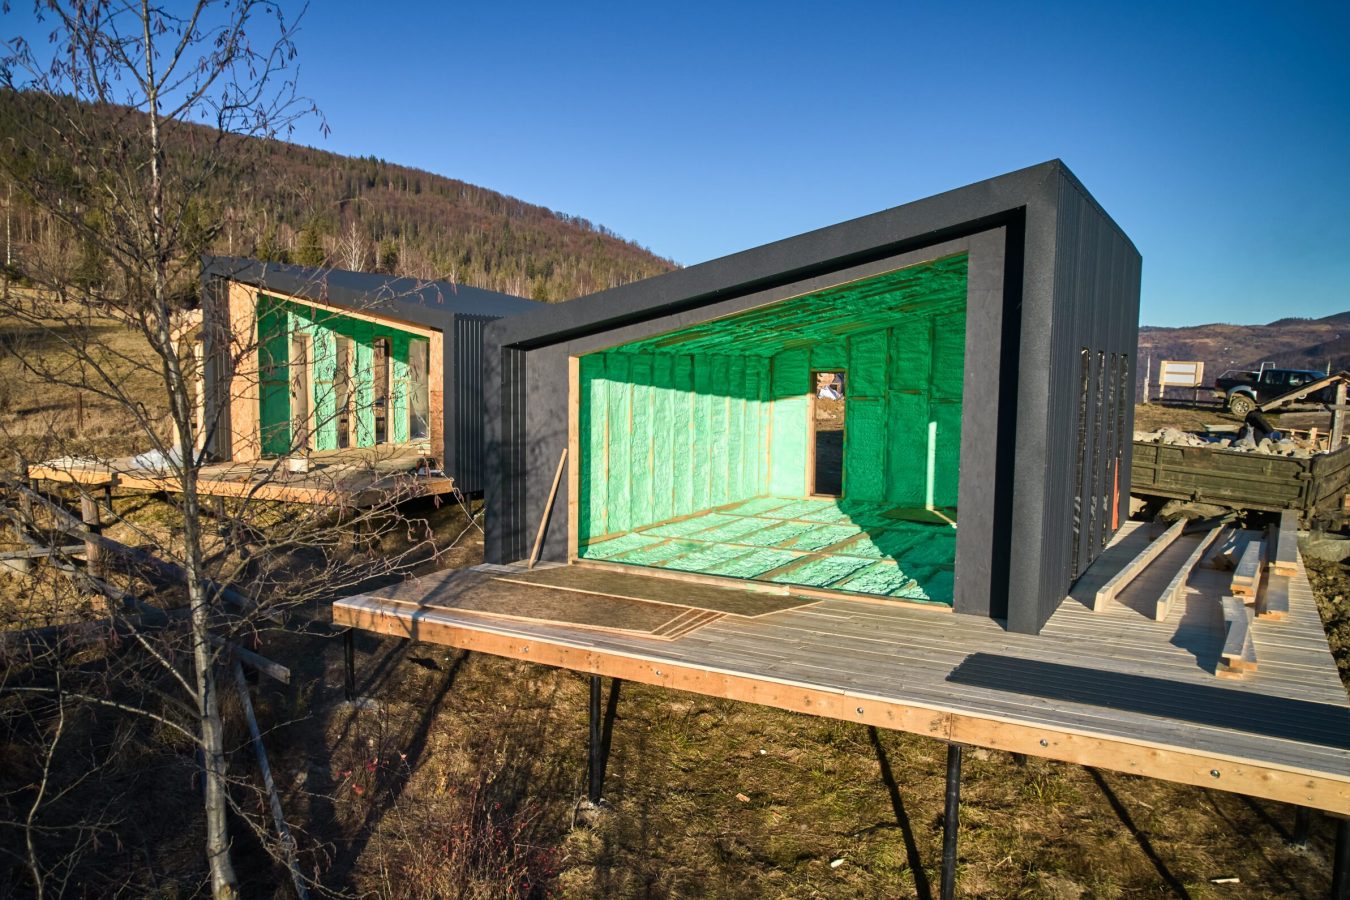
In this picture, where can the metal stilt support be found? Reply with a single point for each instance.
(597, 763)
(950, 821)
(349, 660)
(1340, 869)
(1302, 826)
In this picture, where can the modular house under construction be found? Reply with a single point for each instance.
(932, 404)
(300, 361)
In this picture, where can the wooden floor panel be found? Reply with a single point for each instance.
(656, 589)
(1114, 688)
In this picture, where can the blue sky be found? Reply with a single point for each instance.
(1217, 135)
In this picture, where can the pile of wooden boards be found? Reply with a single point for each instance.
(1262, 565)
(1259, 589)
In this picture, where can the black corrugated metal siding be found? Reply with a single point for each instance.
(510, 508)
(466, 425)
(1094, 331)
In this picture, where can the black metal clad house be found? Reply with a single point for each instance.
(449, 319)
(1027, 439)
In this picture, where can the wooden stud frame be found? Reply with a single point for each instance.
(245, 440)
(574, 456)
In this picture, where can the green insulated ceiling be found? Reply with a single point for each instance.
(718, 413)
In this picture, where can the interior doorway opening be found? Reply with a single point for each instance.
(828, 423)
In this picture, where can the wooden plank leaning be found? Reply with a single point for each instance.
(1107, 592)
(548, 510)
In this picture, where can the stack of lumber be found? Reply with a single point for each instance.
(1262, 565)
(1259, 590)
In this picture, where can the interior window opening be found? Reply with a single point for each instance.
(827, 434)
(382, 383)
(419, 412)
(342, 391)
(301, 423)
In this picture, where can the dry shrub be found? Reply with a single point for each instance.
(470, 845)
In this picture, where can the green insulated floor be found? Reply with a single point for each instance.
(860, 548)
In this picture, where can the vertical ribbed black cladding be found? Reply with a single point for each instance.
(1048, 481)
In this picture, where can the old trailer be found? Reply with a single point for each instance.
(1316, 488)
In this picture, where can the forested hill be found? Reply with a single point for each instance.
(287, 202)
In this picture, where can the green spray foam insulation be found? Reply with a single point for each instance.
(937, 549)
(685, 527)
(878, 578)
(800, 509)
(717, 412)
(775, 534)
(885, 543)
(820, 536)
(936, 586)
(733, 531)
(754, 563)
(657, 554)
(821, 572)
(703, 557)
(614, 546)
(758, 506)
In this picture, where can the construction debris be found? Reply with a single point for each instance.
(1292, 447)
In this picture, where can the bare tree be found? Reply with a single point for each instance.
(353, 248)
(112, 153)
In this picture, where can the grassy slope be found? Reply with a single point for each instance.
(466, 769)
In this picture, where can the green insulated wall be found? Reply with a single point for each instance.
(719, 412)
(278, 322)
(665, 435)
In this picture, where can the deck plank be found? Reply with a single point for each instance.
(1114, 688)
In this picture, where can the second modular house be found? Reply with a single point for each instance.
(931, 404)
(304, 361)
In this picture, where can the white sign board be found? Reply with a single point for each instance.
(1181, 374)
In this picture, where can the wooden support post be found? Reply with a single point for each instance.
(279, 820)
(950, 821)
(349, 662)
(1340, 869)
(91, 516)
(596, 771)
(1302, 826)
(1338, 416)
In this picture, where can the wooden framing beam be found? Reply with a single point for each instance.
(1177, 586)
(573, 453)
(1247, 575)
(1107, 592)
(1168, 763)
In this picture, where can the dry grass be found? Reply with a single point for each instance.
(461, 775)
(45, 420)
(450, 735)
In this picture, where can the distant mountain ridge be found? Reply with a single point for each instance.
(1290, 342)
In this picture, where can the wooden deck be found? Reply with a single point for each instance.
(1114, 688)
(354, 478)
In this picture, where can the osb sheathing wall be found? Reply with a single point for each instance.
(666, 434)
(258, 318)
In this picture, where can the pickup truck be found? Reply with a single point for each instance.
(1242, 392)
